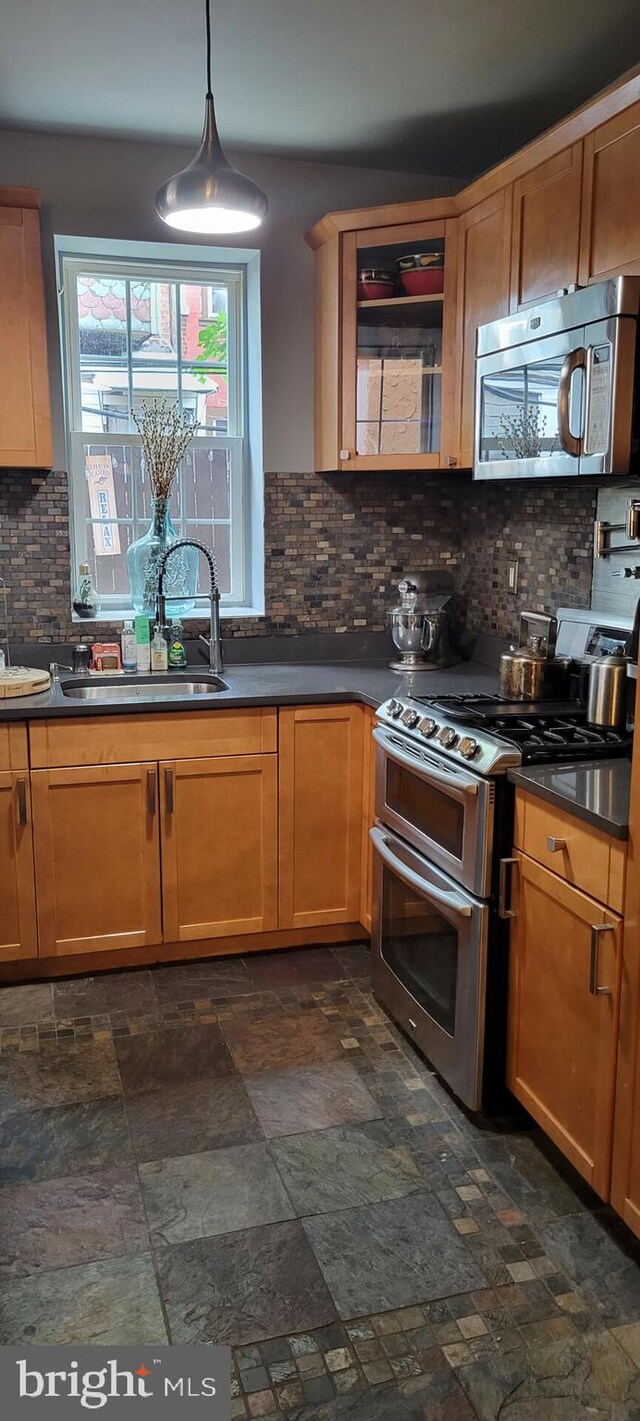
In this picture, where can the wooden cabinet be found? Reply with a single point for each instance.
(564, 987)
(625, 1182)
(545, 240)
(25, 419)
(320, 832)
(483, 295)
(610, 241)
(368, 817)
(219, 846)
(18, 934)
(384, 366)
(97, 858)
(572, 849)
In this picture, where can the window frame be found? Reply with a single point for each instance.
(183, 264)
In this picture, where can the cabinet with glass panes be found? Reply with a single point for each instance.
(394, 338)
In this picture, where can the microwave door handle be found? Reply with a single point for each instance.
(575, 360)
(452, 901)
(460, 790)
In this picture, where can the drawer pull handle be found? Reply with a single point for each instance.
(503, 911)
(596, 930)
(168, 789)
(555, 846)
(22, 802)
(151, 792)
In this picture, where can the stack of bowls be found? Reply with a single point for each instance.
(421, 273)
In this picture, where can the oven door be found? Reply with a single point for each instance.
(443, 809)
(430, 961)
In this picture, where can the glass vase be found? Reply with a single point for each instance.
(143, 563)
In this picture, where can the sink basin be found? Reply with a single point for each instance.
(161, 687)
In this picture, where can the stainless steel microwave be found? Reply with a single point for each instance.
(557, 387)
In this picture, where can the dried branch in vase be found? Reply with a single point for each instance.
(166, 435)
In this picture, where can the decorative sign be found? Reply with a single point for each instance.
(102, 501)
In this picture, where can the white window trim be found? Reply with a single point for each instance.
(247, 510)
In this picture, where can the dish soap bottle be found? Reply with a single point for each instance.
(159, 650)
(177, 652)
(128, 644)
(86, 602)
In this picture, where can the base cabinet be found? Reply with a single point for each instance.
(97, 858)
(219, 822)
(320, 832)
(564, 983)
(368, 817)
(18, 933)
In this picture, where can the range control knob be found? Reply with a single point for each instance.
(448, 737)
(428, 727)
(395, 707)
(410, 718)
(468, 747)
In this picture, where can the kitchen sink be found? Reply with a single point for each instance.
(160, 687)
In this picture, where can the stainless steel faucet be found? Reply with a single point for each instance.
(214, 643)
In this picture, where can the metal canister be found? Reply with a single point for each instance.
(607, 694)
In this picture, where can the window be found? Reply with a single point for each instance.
(148, 322)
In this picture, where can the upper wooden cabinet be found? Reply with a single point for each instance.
(25, 417)
(611, 222)
(562, 211)
(384, 367)
(545, 237)
(483, 295)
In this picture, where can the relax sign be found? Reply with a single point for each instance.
(115, 1381)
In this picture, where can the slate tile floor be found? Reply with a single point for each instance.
(247, 1151)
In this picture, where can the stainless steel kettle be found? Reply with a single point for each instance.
(607, 694)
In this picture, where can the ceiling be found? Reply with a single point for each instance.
(433, 86)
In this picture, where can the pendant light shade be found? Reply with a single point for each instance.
(210, 195)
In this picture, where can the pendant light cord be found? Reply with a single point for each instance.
(207, 6)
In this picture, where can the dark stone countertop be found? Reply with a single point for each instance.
(596, 791)
(266, 684)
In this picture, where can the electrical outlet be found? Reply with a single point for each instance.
(512, 576)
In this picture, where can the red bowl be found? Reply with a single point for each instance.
(375, 290)
(425, 281)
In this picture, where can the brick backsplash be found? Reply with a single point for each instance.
(336, 546)
(548, 527)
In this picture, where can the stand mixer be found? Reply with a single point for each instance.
(420, 625)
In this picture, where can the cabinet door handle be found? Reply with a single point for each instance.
(555, 846)
(596, 930)
(21, 789)
(168, 789)
(151, 792)
(503, 911)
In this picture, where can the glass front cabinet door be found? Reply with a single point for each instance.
(396, 337)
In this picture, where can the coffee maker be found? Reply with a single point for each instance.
(421, 626)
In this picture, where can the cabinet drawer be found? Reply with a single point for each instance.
(14, 754)
(579, 853)
(181, 735)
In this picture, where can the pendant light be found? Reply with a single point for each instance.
(210, 195)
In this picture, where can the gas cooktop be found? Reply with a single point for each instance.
(493, 734)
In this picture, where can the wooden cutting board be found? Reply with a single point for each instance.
(22, 681)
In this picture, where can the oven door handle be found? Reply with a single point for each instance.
(430, 774)
(452, 901)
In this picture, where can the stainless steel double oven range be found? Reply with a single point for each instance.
(444, 827)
